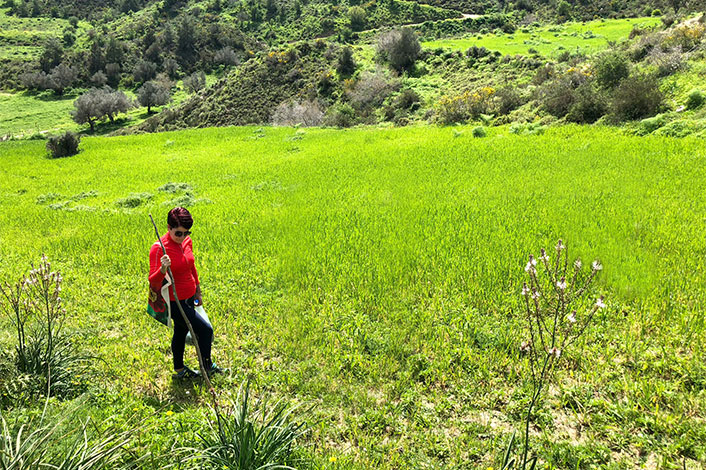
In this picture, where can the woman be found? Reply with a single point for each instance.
(180, 257)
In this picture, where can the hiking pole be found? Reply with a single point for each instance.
(186, 320)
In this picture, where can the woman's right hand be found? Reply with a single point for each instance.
(166, 262)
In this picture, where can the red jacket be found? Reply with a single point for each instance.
(185, 276)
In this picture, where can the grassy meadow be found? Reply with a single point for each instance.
(551, 40)
(374, 276)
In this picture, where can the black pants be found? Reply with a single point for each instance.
(204, 333)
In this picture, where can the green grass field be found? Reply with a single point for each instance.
(551, 40)
(375, 274)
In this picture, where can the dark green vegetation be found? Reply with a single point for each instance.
(375, 274)
(496, 68)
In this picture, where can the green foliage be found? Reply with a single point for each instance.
(611, 68)
(346, 64)
(357, 18)
(42, 351)
(251, 437)
(650, 125)
(340, 115)
(637, 97)
(695, 99)
(133, 200)
(479, 131)
(64, 145)
(589, 103)
(399, 47)
(152, 94)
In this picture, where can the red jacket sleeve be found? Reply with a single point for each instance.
(193, 267)
(156, 277)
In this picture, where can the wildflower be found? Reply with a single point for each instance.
(525, 289)
(44, 257)
(531, 265)
(599, 302)
(544, 257)
(560, 246)
(525, 347)
(597, 266)
(169, 413)
(556, 352)
(562, 283)
(535, 294)
(332, 459)
(578, 264)
(572, 317)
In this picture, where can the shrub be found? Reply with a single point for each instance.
(557, 96)
(133, 200)
(225, 56)
(611, 67)
(370, 90)
(292, 113)
(144, 71)
(400, 48)
(99, 79)
(63, 145)
(508, 99)
(588, 106)
(357, 18)
(195, 82)
(468, 105)
(248, 437)
(479, 131)
(649, 125)
(637, 97)
(667, 62)
(340, 115)
(346, 64)
(407, 99)
(695, 99)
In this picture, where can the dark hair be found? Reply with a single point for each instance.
(179, 217)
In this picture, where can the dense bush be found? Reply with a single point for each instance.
(63, 145)
(468, 105)
(637, 97)
(225, 56)
(340, 115)
(293, 113)
(357, 18)
(144, 71)
(508, 99)
(400, 48)
(611, 68)
(346, 64)
(667, 62)
(695, 99)
(370, 90)
(61, 77)
(589, 104)
(557, 96)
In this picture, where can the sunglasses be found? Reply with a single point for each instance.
(179, 233)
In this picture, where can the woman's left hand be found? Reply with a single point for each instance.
(198, 296)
